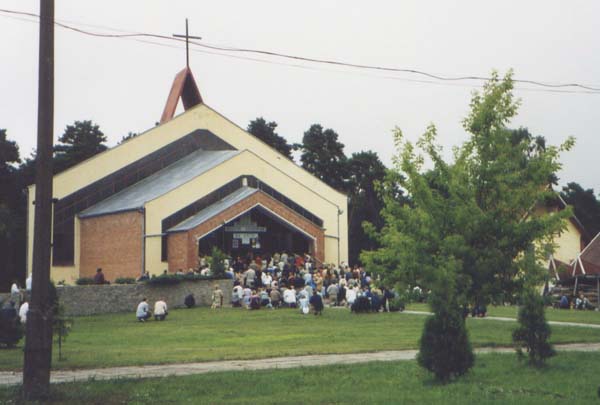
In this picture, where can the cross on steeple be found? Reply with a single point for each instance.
(187, 43)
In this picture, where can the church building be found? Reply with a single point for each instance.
(159, 200)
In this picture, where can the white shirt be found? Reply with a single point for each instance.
(289, 296)
(266, 279)
(238, 291)
(350, 295)
(23, 312)
(28, 283)
(304, 305)
(14, 289)
(142, 309)
(160, 308)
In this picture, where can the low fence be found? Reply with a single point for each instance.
(104, 299)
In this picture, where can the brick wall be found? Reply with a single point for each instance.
(177, 252)
(112, 242)
(185, 248)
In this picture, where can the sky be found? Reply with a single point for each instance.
(122, 84)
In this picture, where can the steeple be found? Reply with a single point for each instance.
(184, 87)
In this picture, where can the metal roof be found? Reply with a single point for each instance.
(214, 209)
(160, 183)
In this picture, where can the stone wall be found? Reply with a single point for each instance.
(103, 299)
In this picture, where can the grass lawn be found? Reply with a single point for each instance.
(202, 334)
(495, 379)
(552, 314)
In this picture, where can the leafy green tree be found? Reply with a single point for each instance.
(12, 218)
(323, 156)
(79, 142)
(265, 131)
(470, 220)
(364, 172)
(585, 205)
(129, 135)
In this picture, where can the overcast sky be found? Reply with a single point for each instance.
(122, 84)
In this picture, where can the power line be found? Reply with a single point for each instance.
(138, 35)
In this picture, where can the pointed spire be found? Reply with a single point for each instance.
(184, 87)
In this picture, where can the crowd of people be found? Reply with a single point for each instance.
(576, 302)
(296, 281)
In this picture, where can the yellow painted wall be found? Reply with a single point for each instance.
(568, 244)
(109, 161)
(307, 190)
(244, 163)
(67, 274)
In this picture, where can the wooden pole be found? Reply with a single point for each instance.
(598, 292)
(38, 342)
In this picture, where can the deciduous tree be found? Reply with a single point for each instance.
(323, 156)
(265, 131)
(470, 220)
(79, 142)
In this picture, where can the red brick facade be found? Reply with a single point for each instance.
(183, 246)
(112, 242)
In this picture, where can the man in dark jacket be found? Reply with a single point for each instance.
(317, 303)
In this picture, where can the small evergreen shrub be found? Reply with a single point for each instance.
(533, 332)
(445, 349)
(125, 280)
(84, 281)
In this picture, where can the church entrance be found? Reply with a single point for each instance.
(257, 232)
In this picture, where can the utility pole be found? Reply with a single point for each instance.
(38, 340)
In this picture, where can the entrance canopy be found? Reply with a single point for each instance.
(247, 220)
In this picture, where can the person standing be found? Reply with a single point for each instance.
(23, 311)
(217, 298)
(317, 303)
(28, 283)
(15, 293)
(160, 310)
(143, 312)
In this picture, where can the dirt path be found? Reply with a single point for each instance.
(504, 319)
(61, 376)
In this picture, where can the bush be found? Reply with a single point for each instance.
(125, 280)
(84, 281)
(165, 279)
(445, 349)
(217, 265)
(397, 304)
(171, 279)
(533, 332)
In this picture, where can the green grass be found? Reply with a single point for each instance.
(560, 315)
(495, 379)
(204, 335)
